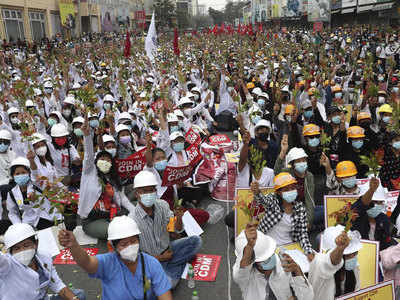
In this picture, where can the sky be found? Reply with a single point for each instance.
(215, 4)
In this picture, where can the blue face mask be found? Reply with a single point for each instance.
(51, 122)
(386, 119)
(107, 106)
(396, 145)
(3, 147)
(290, 196)
(261, 102)
(350, 182)
(22, 179)
(357, 144)
(78, 132)
(134, 123)
(336, 119)
(148, 200)
(301, 167)
(396, 89)
(94, 123)
(351, 264)
(174, 128)
(160, 165)
(314, 142)
(338, 95)
(373, 212)
(256, 119)
(308, 113)
(178, 147)
(269, 264)
(180, 124)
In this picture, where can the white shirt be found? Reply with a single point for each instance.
(243, 178)
(62, 160)
(5, 161)
(281, 232)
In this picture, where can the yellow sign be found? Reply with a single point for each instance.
(334, 203)
(232, 157)
(245, 196)
(67, 13)
(291, 246)
(368, 260)
(382, 291)
(349, 111)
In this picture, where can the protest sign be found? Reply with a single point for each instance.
(384, 290)
(219, 139)
(65, 256)
(205, 267)
(368, 260)
(130, 166)
(176, 175)
(193, 155)
(334, 203)
(318, 26)
(192, 137)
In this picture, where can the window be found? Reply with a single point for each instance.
(13, 24)
(37, 25)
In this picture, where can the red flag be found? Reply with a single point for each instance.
(176, 45)
(222, 29)
(239, 29)
(127, 50)
(250, 30)
(215, 29)
(260, 27)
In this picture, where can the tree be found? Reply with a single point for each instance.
(165, 12)
(217, 16)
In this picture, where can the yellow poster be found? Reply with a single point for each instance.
(67, 13)
(349, 111)
(382, 291)
(245, 196)
(334, 203)
(368, 260)
(291, 246)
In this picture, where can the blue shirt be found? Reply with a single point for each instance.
(118, 282)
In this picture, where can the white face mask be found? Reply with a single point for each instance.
(196, 97)
(112, 151)
(104, 166)
(67, 112)
(15, 120)
(25, 257)
(41, 151)
(130, 253)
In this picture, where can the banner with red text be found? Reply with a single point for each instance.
(219, 139)
(130, 166)
(192, 137)
(205, 267)
(65, 256)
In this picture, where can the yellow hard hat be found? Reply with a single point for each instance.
(283, 179)
(289, 109)
(250, 85)
(103, 64)
(355, 132)
(348, 40)
(311, 129)
(311, 91)
(385, 108)
(303, 82)
(336, 89)
(363, 115)
(345, 169)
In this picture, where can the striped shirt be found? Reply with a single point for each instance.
(154, 237)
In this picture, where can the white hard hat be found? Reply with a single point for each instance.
(92, 115)
(48, 84)
(189, 94)
(254, 108)
(150, 79)
(171, 117)
(144, 178)
(296, 153)
(108, 97)
(173, 136)
(29, 103)
(263, 123)
(59, 130)
(69, 100)
(380, 194)
(179, 113)
(285, 89)
(265, 95)
(121, 127)
(78, 120)
(143, 94)
(265, 246)
(17, 233)
(184, 100)
(12, 110)
(122, 227)
(257, 91)
(125, 116)
(195, 89)
(108, 138)
(5, 135)
(331, 233)
(76, 86)
(38, 92)
(20, 161)
(37, 137)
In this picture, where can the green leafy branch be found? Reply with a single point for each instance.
(372, 163)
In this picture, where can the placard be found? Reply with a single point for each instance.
(368, 258)
(130, 166)
(219, 139)
(381, 291)
(192, 137)
(334, 203)
(193, 155)
(318, 26)
(65, 256)
(205, 267)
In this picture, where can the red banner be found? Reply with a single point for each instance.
(130, 166)
(219, 139)
(176, 175)
(140, 18)
(318, 26)
(65, 257)
(193, 154)
(206, 267)
(192, 137)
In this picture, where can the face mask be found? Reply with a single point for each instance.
(396, 145)
(351, 90)
(263, 137)
(256, 119)
(14, 120)
(130, 253)
(350, 182)
(357, 144)
(396, 89)
(22, 179)
(134, 123)
(336, 120)
(174, 128)
(381, 100)
(358, 82)
(269, 264)
(125, 139)
(314, 142)
(308, 113)
(51, 122)
(289, 118)
(107, 106)
(148, 200)
(61, 141)
(196, 97)
(386, 119)
(67, 112)
(180, 124)
(78, 132)
(112, 151)
(178, 147)
(25, 257)
(290, 196)
(350, 264)
(204, 85)
(300, 167)
(187, 112)
(94, 123)
(104, 166)
(381, 79)
(41, 151)
(261, 102)
(338, 95)
(161, 165)
(3, 147)
(373, 212)
(48, 90)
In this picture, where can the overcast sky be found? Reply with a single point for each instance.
(216, 4)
